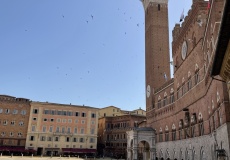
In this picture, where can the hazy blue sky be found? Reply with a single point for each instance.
(87, 52)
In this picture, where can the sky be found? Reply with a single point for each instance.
(86, 52)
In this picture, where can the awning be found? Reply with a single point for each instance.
(15, 149)
(78, 150)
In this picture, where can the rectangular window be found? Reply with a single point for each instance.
(59, 112)
(69, 113)
(53, 112)
(75, 130)
(63, 130)
(57, 129)
(35, 111)
(91, 140)
(69, 130)
(172, 98)
(46, 111)
(160, 137)
(189, 84)
(180, 134)
(166, 136)
(76, 114)
(67, 139)
(44, 129)
(92, 130)
(81, 140)
(64, 113)
(82, 131)
(33, 128)
(174, 135)
(165, 101)
(83, 114)
(49, 138)
(56, 139)
(42, 138)
(74, 139)
(32, 138)
(159, 104)
(193, 131)
(196, 77)
(93, 115)
(51, 128)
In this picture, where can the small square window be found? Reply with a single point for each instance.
(51, 120)
(34, 118)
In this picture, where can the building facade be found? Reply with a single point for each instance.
(190, 112)
(112, 111)
(56, 129)
(14, 119)
(112, 136)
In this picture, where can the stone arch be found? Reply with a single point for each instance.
(183, 80)
(159, 98)
(166, 128)
(196, 67)
(173, 127)
(189, 74)
(200, 118)
(202, 153)
(218, 97)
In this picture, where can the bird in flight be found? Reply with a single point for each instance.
(87, 21)
(91, 16)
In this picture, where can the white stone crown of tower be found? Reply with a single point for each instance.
(146, 2)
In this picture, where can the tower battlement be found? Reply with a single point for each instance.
(146, 2)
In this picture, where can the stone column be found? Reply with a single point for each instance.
(134, 153)
(152, 153)
(129, 154)
(145, 154)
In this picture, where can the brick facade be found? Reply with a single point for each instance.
(192, 106)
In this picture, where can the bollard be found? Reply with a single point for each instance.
(69, 156)
(1, 154)
(22, 155)
(11, 155)
(32, 155)
(60, 156)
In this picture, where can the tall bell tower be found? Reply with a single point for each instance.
(157, 61)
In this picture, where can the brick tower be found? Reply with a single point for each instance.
(157, 69)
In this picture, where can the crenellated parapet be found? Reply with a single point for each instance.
(146, 2)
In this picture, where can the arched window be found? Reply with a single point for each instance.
(196, 74)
